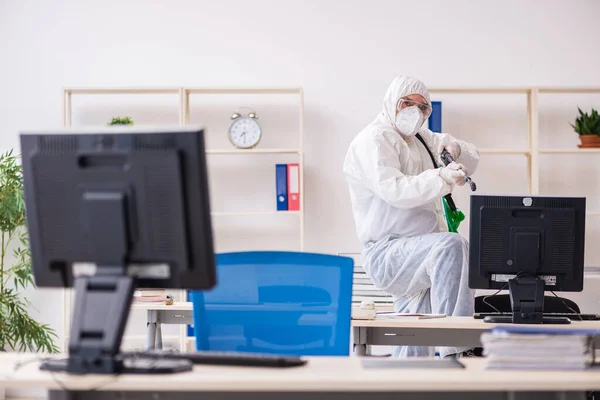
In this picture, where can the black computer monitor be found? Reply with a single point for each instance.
(527, 244)
(111, 210)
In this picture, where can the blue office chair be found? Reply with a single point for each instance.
(276, 302)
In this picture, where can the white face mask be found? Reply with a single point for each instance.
(409, 120)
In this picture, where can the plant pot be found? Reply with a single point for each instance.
(589, 141)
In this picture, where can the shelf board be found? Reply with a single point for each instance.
(573, 90)
(192, 90)
(124, 90)
(503, 151)
(514, 90)
(254, 151)
(243, 213)
(480, 90)
(242, 90)
(572, 150)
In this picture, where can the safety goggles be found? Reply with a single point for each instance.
(425, 108)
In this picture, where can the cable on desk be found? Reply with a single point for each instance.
(492, 295)
(60, 383)
(40, 360)
(519, 275)
(566, 305)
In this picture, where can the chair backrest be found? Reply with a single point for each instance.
(276, 302)
(501, 302)
(362, 287)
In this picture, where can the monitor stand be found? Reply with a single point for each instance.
(100, 315)
(527, 302)
(103, 300)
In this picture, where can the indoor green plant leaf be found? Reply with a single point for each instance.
(587, 124)
(121, 121)
(18, 330)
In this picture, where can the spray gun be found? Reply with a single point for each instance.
(453, 215)
(447, 159)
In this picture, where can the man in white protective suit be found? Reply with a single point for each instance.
(396, 196)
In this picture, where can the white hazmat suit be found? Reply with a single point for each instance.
(396, 197)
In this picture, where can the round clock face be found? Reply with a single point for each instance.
(244, 132)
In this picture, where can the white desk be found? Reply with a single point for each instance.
(157, 314)
(322, 378)
(450, 331)
(180, 313)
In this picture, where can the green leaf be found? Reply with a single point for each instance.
(121, 121)
(18, 330)
(587, 124)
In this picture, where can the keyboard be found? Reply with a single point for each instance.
(571, 316)
(223, 358)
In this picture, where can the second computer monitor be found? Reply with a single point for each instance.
(523, 237)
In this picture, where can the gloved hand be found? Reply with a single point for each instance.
(450, 145)
(453, 174)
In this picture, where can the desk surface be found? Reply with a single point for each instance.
(226, 307)
(455, 323)
(344, 374)
(187, 306)
(434, 323)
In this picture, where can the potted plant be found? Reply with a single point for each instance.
(588, 128)
(18, 330)
(121, 121)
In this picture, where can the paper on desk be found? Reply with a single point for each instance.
(537, 348)
(395, 315)
(527, 363)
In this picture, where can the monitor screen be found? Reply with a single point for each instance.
(539, 236)
(130, 196)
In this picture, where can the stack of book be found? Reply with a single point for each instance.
(538, 348)
(152, 296)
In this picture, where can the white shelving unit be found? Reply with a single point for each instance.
(533, 152)
(184, 94)
(67, 97)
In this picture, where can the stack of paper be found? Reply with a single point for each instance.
(151, 296)
(533, 348)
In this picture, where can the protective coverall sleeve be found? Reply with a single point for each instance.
(469, 156)
(381, 166)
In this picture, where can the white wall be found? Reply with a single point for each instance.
(343, 53)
